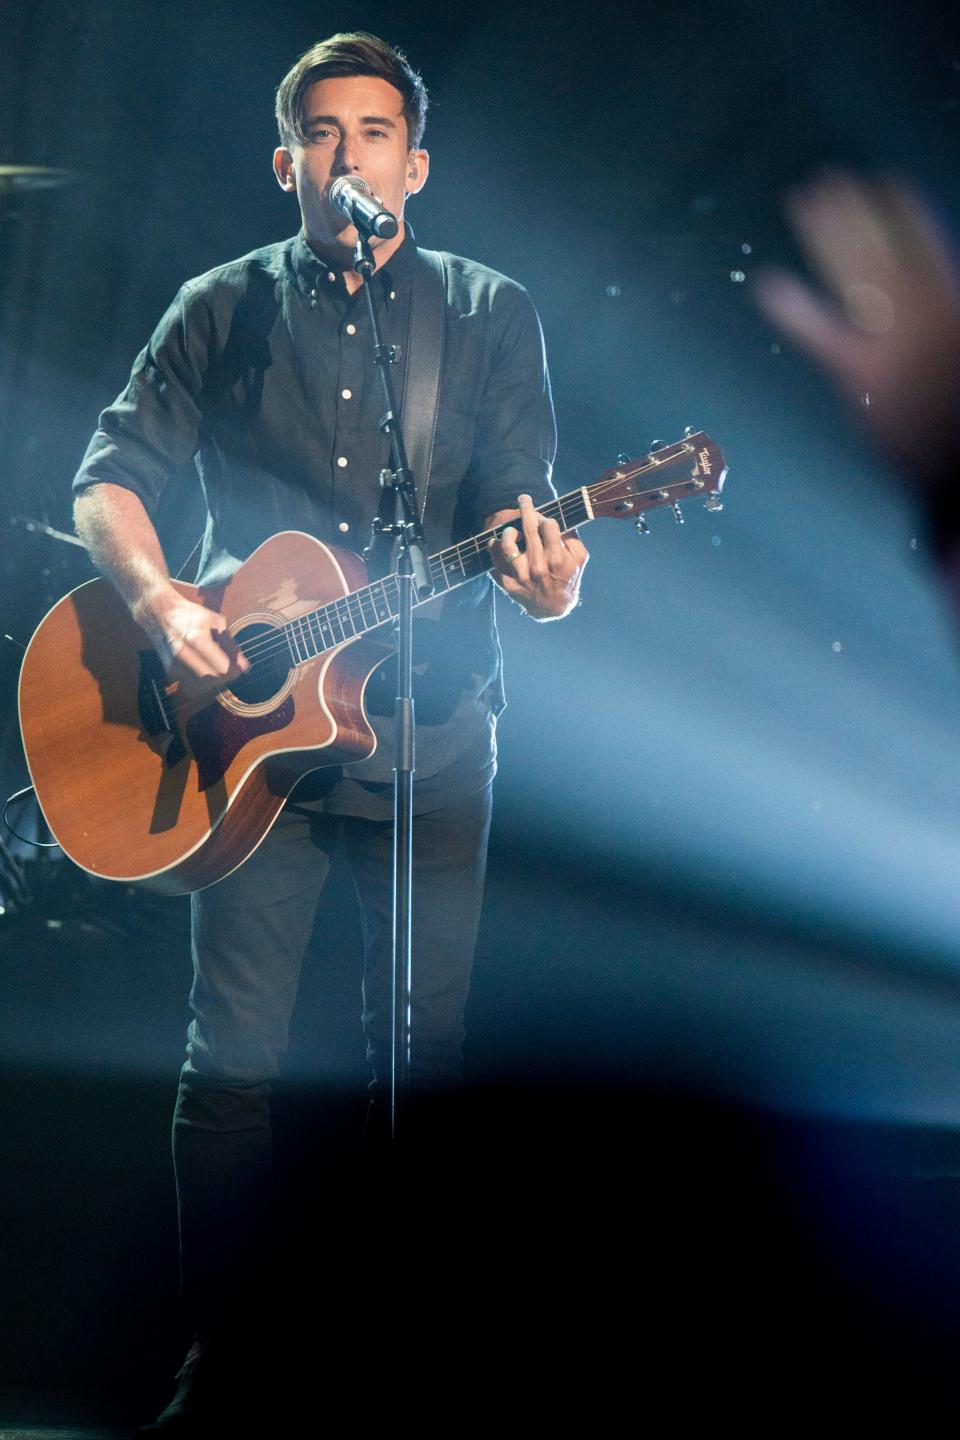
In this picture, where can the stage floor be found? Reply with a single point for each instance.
(672, 1181)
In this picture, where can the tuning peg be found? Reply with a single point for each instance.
(657, 445)
(642, 527)
(677, 512)
(713, 501)
(623, 458)
(688, 430)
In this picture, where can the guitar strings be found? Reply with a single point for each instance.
(475, 547)
(472, 548)
(276, 645)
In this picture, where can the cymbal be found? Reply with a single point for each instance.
(16, 178)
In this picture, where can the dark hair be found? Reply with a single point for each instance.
(350, 53)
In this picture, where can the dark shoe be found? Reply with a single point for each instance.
(190, 1412)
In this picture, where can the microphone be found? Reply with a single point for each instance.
(355, 201)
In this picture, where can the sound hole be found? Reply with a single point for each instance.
(266, 649)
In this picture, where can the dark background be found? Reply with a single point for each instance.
(720, 945)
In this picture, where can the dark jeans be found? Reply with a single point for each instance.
(249, 935)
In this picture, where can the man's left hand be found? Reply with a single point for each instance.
(544, 577)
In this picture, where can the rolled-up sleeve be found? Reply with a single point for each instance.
(516, 435)
(153, 427)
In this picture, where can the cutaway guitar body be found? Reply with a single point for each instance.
(143, 786)
(140, 784)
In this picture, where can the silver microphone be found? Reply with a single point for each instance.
(352, 198)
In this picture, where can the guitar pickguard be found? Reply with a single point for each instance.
(216, 736)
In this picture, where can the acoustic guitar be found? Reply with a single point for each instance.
(143, 784)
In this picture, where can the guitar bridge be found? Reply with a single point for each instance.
(156, 720)
(151, 697)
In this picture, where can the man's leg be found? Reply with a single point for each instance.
(449, 859)
(250, 932)
(410, 1207)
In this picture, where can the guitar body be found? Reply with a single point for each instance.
(141, 784)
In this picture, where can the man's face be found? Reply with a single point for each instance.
(354, 125)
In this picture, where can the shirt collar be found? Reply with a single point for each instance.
(309, 269)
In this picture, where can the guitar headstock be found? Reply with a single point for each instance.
(669, 475)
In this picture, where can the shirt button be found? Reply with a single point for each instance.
(393, 294)
(343, 527)
(351, 329)
(342, 461)
(347, 394)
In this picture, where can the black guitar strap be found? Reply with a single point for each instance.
(421, 386)
(421, 392)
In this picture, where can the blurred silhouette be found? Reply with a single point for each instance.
(885, 328)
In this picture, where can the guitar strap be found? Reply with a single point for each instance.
(421, 386)
(419, 402)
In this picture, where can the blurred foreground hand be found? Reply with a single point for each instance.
(886, 326)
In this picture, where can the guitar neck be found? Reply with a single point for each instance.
(459, 563)
(376, 604)
(670, 475)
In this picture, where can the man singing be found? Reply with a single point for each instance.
(261, 372)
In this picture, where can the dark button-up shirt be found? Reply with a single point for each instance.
(261, 372)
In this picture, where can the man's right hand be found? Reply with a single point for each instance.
(193, 642)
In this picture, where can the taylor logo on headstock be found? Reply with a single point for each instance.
(703, 462)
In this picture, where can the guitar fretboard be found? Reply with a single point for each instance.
(363, 610)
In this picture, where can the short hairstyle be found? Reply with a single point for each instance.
(350, 53)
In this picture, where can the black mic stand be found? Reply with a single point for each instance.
(403, 535)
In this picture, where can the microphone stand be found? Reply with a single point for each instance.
(405, 536)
